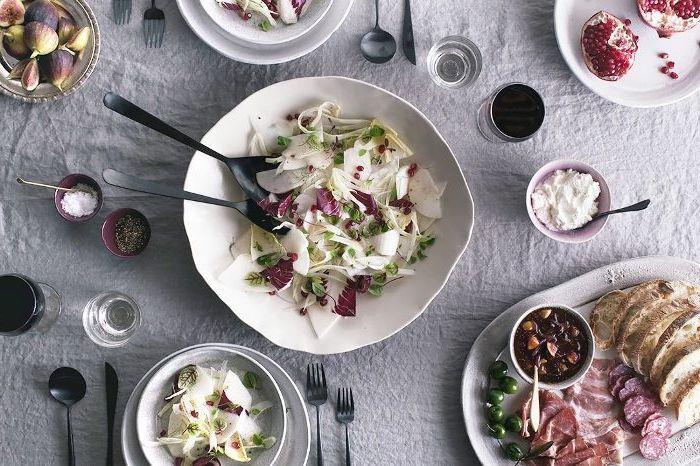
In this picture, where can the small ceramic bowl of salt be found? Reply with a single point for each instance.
(83, 203)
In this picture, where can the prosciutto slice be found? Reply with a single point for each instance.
(596, 409)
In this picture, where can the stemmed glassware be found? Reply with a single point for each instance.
(27, 305)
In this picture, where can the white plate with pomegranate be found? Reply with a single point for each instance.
(648, 70)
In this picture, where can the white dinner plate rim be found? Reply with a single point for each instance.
(444, 281)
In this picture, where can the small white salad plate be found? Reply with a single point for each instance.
(272, 422)
(644, 85)
(250, 31)
(293, 450)
(580, 293)
(221, 39)
(211, 229)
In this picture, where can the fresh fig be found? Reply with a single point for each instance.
(13, 41)
(40, 38)
(11, 12)
(42, 11)
(16, 72)
(56, 67)
(79, 40)
(30, 75)
(66, 29)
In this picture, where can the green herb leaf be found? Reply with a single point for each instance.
(375, 290)
(317, 287)
(250, 380)
(258, 440)
(537, 451)
(392, 268)
(328, 235)
(351, 252)
(257, 247)
(379, 278)
(255, 279)
(187, 377)
(362, 152)
(255, 411)
(265, 26)
(339, 158)
(268, 260)
(283, 141)
(376, 131)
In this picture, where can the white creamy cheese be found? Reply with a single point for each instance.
(566, 200)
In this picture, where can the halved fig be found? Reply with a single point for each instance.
(608, 46)
(670, 16)
(11, 12)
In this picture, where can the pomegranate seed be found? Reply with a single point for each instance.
(671, 64)
(411, 172)
(293, 256)
(310, 168)
(673, 75)
(381, 149)
(406, 210)
(664, 70)
(348, 224)
(272, 293)
(627, 21)
(323, 301)
(235, 445)
(210, 403)
(299, 222)
(359, 168)
(289, 117)
(663, 55)
(314, 208)
(303, 311)
(413, 166)
(194, 413)
(356, 176)
(162, 433)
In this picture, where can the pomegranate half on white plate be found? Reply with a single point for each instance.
(670, 16)
(608, 45)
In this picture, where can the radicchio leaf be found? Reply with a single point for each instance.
(227, 405)
(284, 206)
(345, 306)
(366, 200)
(362, 283)
(402, 203)
(326, 202)
(276, 208)
(279, 274)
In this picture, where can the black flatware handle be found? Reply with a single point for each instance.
(71, 451)
(631, 208)
(112, 389)
(407, 39)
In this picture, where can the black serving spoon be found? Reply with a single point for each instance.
(249, 208)
(242, 168)
(378, 46)
(68, 387)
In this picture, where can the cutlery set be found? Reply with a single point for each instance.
(317, 395)
(379, 46)
(153, 21)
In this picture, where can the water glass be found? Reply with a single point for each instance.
(513, 113)
(26, 305)
(454, 62)
(111, 318)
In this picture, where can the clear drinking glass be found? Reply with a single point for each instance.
(513, 113)
(26, 305)
(454, 62)
(111, 318)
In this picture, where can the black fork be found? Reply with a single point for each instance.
(153, 26)
(345, 414)
(122, 11)
(317, 394)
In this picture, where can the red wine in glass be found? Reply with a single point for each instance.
(24, 304)
(514, 113)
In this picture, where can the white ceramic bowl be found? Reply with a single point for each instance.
(273, 421)
(589, 356)
(249, 31)
(588, 231)
(211, 229)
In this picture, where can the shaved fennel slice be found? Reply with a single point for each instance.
(386, 243)
(322, 318)
(263, 243)
(235, 450)
(425, 194)
(295, 242)
(237, 275)
(279, 183)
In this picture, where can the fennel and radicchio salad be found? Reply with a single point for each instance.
(210, 418)
(357, 207)
(267, 14)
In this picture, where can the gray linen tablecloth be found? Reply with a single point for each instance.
(407, 388)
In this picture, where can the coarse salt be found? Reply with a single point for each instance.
(79, 203)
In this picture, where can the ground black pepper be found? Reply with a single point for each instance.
(131, 234)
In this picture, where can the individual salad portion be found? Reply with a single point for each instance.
(211, 417)
(267, 14)
(359, 212)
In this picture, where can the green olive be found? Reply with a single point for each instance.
(494, 413)
(496, 430)
(513, 423)
(509, 385)
(514, 452)
(496, 396)
(498, 370)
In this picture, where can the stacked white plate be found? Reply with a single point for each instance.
(295, 442)
(241, 41)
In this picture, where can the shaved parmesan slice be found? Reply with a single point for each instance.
(295, 242)
(263, 242)
(430, 208)
(279, 183)
(386, 243)
(235, 275)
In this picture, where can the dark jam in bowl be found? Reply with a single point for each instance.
(555, 340)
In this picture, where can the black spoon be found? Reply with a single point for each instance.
(248, 208)
(378, 46)
(68, 387)
(630, 208)
(242, 168)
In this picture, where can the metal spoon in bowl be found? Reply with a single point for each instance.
(68, 387)
(630, 208)
(43, 185)
(378, 46)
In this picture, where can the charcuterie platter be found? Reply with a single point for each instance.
(636, 389)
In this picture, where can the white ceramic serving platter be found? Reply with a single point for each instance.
(295, 448)
(259, 54)
(211, 229)
(250, 30)
(581, 294)
(148, 426)
(644, 85)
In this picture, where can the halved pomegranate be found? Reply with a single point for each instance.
(670, 16)
(608, 46)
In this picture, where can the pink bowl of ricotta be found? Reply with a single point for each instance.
(564, 202)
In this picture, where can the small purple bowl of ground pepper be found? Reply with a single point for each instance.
(126, 232)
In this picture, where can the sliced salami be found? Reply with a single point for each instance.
(633, 387)
(624, 425)
(653, 446)
(620, 384)
(657, 424)
(638, 408)
(616, 372)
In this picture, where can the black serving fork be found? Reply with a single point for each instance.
(317, 394)
(242, 168)
(153, 26)
(345, 414)
(122, 11)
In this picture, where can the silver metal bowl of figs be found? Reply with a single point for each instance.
(49, 48)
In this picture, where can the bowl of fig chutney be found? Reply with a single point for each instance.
(555, 338)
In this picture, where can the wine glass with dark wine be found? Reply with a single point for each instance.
(26, 305)
(513, 113)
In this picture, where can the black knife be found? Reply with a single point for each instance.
(112, 386)
(409, 46)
